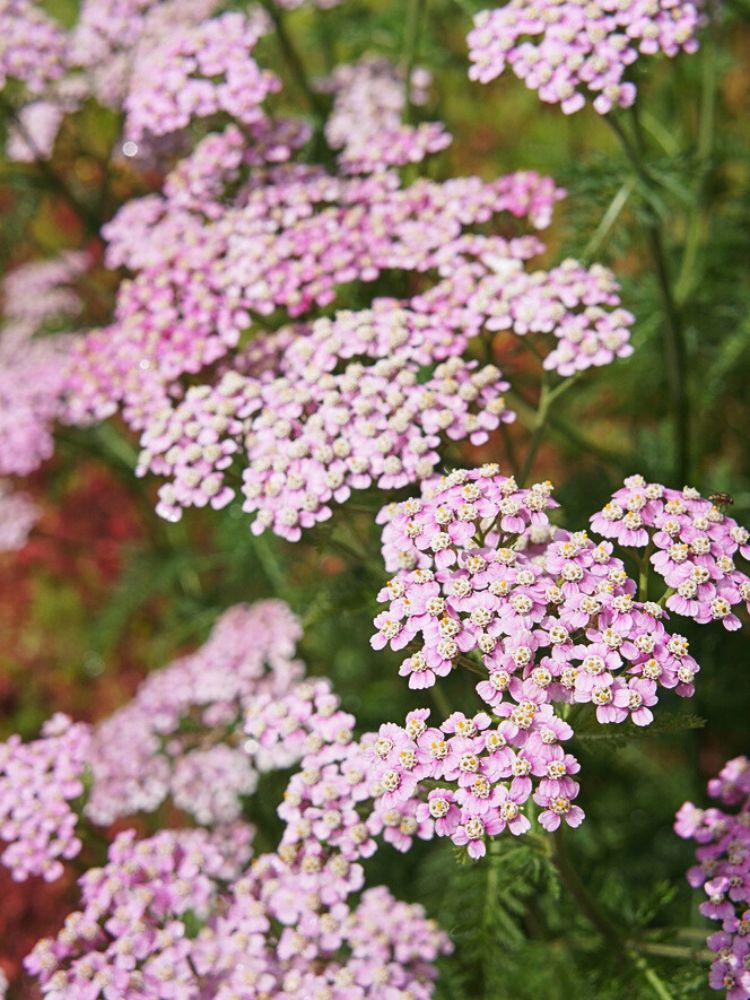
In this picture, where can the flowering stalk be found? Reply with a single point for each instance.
(414, 19)
(294, 60)
(674, 335)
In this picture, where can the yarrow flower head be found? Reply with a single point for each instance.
(571, 50)
(183, 907)
(38, 783)
(33, 367)
(196, 73)
(33, 46)
(312, 435)
(366, 119)
(145, 753)
(131, 935)
(697, 547)
(722, 834)
(545, 617)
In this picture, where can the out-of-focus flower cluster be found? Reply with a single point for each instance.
(547, 618)
(722, 833)
(196, 73)
(34, 365)
(245, 238)
(112, 35)
(38, 782)
(571, 50)
(181, 736)
(344, 409)
(275, 931)
(32, 45)
(183, 908)
(366, 119)
(18, 515)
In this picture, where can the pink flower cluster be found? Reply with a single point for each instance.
(312, 433)
(33, 46)
(43, 289)
(38, 783)
(334, 804)
(577, 305)
(569, 50)
(196, 73)
(723, 870)
(111, 35)
(545, 617)
(296, 4)
(18, 515)
(365, 121)
(33, 369)
(182, 912)
(479, 773)
(290, 932)
(180, 737)
(292, 236)
(277, 931)
(696, 546)
(132, 936)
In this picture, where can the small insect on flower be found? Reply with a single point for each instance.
(721, 499)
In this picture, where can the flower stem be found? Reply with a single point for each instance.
(414, 18)
(294, 60)
(608, 220)
(55, 180)
(674, 338)
(536, 435)
(546, 399)
(596, 916)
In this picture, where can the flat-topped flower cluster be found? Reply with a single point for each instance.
(549, 620)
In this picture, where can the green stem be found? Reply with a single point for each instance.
(675, 951)
(442, 704)
(294, 60)
(608, 220)
(643, 575)
(414, 17)
(536, 435)
(510, 450)
(600, 920)
(674, 338)
(547, 398)
(56, 181)
(686, 279)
